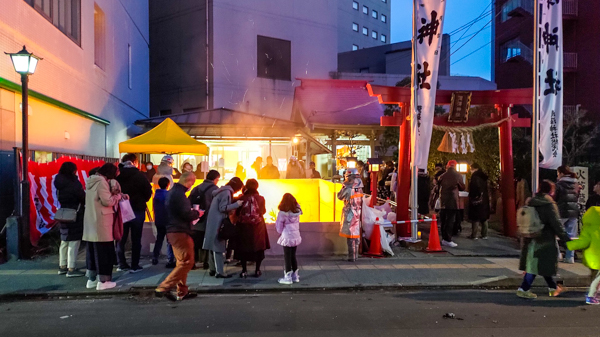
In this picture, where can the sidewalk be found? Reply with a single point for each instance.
(481, 263)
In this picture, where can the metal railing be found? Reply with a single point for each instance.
(570, 60)
(570, 7)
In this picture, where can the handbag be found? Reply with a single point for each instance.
(66, 215)
(126, 211)
(117, 224)
(226, 230)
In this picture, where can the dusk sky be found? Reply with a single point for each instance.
(458, 13)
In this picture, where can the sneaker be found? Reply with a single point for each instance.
(526, 294)
(287, 278)
(62, 271)
(212, 273)
(75, 273)
(591, 300)
(105, 285)
(484, 238)
(569, 260)
(154, 262)
(186, 296)
(91, 284)
(555, 292)
(449, 244)
(124, 267)
(257, 274)
(295, 277)
(170, 265)
(135, 269)
(222, 276)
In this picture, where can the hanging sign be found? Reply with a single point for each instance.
(459, 107)
(427, 42)
(550, 81)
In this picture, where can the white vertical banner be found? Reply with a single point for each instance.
(427, 42)
(550, 78)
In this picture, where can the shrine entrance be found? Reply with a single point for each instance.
(503, 100)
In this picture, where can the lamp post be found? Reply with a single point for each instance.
(25, 64)
(374, 167)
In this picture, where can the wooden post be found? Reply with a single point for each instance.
(509, 216)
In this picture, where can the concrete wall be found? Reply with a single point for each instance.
(347, 15)
(311, 27)
(68, 74)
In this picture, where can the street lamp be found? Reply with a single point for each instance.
(374, 167)
(25, 64)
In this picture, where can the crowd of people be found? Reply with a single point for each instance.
(199, 229)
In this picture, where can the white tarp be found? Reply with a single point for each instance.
(550, 81)
(427, 38)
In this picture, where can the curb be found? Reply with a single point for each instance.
(495, 283)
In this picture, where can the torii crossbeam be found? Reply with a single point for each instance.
(503, 100)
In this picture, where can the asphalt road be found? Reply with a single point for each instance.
(344, 314)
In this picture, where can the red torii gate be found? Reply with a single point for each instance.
(503, 100)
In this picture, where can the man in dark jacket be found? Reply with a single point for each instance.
(479, 201)
(133, 183)
(424, 189)
(179, 233)
(594, 199)
(270, 171)
(450, 183)
(567, 197)
(202, 196)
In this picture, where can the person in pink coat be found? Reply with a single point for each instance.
(288, 225)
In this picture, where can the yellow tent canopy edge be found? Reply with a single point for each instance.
(168, 138)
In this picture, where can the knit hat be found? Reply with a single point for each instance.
(451, 163)
(168, 159)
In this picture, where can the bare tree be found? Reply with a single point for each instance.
(579, 131)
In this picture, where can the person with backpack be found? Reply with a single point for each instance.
(539, 255)
(589, 242)
(202, 196)
(567, 196)
(222, 203)
(252, 238)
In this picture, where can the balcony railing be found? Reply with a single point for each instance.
(570, 7)
(570, 60)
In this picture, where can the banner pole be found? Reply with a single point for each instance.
(535, 121)
(414, 169)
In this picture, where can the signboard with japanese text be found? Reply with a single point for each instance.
(550, 79)
(584, 184)
(459, 107)
(427, 41)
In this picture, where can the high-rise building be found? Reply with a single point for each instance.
(363, 24)
(513, 51)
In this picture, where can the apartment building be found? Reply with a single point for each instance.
(363, 24)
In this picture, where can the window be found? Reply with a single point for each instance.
(355, 5)
(130, 67)
(383, 38)
(365, 31)
(512, 5)
(374, 14)
(99, 38)
(365, 10)
(383, 18)
(63, 14)
(354, 47)
(374, 34)
(514, 48)
(355, 27)
(274, 58)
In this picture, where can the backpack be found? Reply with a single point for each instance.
(528, 222)
(250, 212)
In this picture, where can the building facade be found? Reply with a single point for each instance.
(92, 83)
(513, 51)
(363, 24)
(240, 55)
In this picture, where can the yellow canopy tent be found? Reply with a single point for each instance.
(167, 137)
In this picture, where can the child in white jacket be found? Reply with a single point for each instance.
(288, 225)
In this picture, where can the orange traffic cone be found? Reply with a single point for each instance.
(434, 238)
(375, 249)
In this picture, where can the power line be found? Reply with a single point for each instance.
(471, 25)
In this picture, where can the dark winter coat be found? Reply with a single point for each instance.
(567, 195)
(134, 183)
(539, 255)
(159, 204)
(451, 183)
(269, 172)
(424, 187)
(179, 210)
(70, 195)
(479, 199)
(252, 237)
(593, 200)
(149, 174)
(202, 195)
